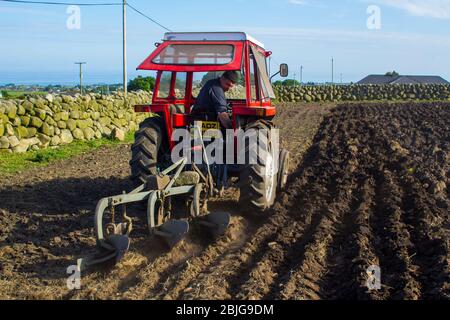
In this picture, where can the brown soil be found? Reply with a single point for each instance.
(369, 187)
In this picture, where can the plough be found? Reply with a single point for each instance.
(193, 186)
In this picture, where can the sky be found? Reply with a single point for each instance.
(363, 36)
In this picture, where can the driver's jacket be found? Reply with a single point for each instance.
(211, 100)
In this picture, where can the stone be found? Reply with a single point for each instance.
(42, 114)
(104, 121)
(11, 111)
(95, 115)
(98, 134)
(71, 124)
(107, 132)
(438, 187)
(4, 143)
(50, 121)
(78, 134)
(118, 134)
(44, 140)
(4, 118)
(13, 141)
(9, 129)
(16, 122)
(64, 116)
(32, 141)
(31, 132)
(25, 120)
(45, 129)
(21, 110)
(62, 125)
(27, 105)
(89, 134)
(75, 114)
(55, 141)
(49, 97)
(2, 129)
(36, 122)
(67, 99)
(22, 132)
(66, 136)
(82, 124)
(22, 147)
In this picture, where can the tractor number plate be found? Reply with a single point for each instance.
(210, 129)
(210, 125)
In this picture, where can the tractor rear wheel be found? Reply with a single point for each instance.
(148, 150)
(258, 180)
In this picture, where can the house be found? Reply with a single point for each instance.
(398, 79)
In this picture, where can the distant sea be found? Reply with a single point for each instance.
(64, 78)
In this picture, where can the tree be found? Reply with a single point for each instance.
(392, 74)
(141, 83)
(278, 83)
(291, 83)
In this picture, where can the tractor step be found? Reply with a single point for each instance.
(215, 223)
(172, 231)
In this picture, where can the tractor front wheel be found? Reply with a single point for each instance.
(148, 150)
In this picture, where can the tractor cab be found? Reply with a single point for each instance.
(185, 61)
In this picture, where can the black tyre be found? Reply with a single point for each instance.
(258, 181)
(148, 151)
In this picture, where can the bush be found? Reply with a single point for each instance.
(141, 83)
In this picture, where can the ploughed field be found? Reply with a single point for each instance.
(369, 187)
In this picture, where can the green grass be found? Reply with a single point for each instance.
(14, 163)
(7, 94)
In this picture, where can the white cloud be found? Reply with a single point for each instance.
(439, 9)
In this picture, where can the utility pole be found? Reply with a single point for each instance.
(81, 75)
(332, 70)
(124, 31)
(301, 75)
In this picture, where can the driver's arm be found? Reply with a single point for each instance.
(220, 106)
(225, 120)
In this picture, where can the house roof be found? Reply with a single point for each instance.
(211, 36)
(383, 79)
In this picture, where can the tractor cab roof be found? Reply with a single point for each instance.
(201, 52)
(211, 36)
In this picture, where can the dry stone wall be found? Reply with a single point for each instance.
(54, 120)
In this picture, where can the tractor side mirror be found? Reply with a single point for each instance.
(284, 70)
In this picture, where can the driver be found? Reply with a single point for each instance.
(212, 101)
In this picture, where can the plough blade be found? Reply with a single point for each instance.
(172, 231)
(215, 223)
(112, 251)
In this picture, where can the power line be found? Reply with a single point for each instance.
(88, 4)
(144, 15)
(62, 3)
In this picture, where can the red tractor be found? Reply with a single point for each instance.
(183, 61)
(175, 192)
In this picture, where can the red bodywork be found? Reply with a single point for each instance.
(256, 107)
